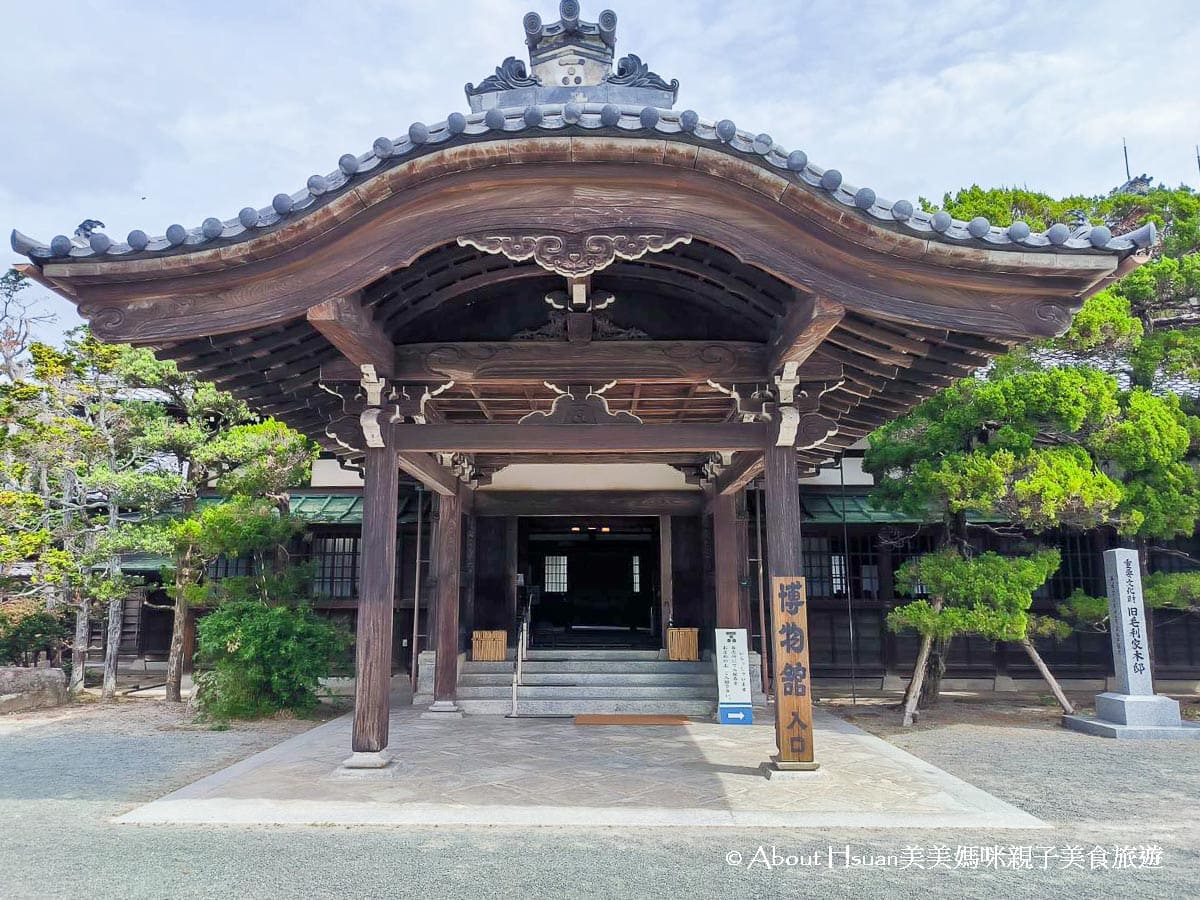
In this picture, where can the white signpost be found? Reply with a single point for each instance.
(1134, 710)
(735, 705)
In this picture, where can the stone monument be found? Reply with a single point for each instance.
(1134, 710)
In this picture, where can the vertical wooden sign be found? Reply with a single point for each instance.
(793, 688)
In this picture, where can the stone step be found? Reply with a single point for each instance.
(569, 691)
(473, 667)
(614, 705)
(596, 666)
(473, 707)
(661, 679)
(627, 678)
(616, 666)
(593, 654)
(633, 692)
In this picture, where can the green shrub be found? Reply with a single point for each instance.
(261, 659)
(28, 628)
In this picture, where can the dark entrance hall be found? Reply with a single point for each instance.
(593, 582)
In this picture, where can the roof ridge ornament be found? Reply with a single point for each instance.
(571, 61)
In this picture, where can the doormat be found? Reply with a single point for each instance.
(630, 720)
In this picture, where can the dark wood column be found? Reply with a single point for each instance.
(793, 683)
(725, 541)
(511, 568)
(376, 597)
(449, 570)
(666, 574)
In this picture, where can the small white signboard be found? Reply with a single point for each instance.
(734, 700)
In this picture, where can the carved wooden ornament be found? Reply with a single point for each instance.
(580, 405)
(574, 255)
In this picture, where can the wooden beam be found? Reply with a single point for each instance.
(347, 325)
(514, 362)
(499, 460)
(377, 586)
(577, 439)
(743, 469)
(498, 363)
(429, 472)
(588, 503)
(803, 329)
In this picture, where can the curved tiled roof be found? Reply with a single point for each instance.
(596, 119)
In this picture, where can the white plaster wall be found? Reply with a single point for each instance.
(589, 477)
(326, 473)
(855, 476)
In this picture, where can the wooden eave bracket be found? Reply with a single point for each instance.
(348, 325)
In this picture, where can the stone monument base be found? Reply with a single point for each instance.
(1101, 728)
(1145, 717)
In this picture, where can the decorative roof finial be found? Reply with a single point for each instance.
(571, 60)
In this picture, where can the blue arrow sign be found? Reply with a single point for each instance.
(729, 714)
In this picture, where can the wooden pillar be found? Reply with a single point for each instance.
(742, 539)
(449, 571)
(470, 559)
(666, 574)
(376, 596)
(788, 609)
(726, 548)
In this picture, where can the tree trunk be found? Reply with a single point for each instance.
(175, 654)
(931, 687)
(912, 695)
(918, 678)
(112, 648)
(83, 613)
(1048, 677)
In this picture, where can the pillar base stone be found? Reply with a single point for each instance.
(442, 709)
(366, 761)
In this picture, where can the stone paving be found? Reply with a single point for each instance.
(489, 770)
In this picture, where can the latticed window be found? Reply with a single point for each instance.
(818, 566)
(637, 574)
(1082, 567)
(335, 566)
(230, 567)
(555, 581)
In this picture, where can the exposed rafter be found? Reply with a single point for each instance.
(804, 328)
(349, 327)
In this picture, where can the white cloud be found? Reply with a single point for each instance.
(146, 115)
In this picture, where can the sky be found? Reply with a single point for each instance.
(144, 114)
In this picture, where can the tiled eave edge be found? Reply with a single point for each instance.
(584, 119)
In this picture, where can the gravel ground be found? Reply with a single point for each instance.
(64, 774)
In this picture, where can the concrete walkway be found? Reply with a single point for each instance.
(489, 770)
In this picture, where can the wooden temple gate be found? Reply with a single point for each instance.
(577, 271)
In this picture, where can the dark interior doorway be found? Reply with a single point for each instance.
(594, 581)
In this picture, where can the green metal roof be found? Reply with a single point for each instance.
(827, 509)
(329, 509)
(143, 562)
